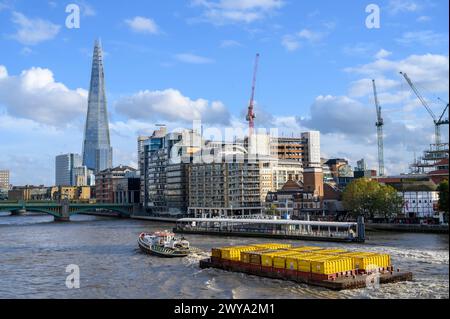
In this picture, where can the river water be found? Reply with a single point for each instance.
(34, 253)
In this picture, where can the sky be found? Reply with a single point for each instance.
(176, 61)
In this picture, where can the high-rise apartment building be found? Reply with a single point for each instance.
(4, 179)
(97, 151)
(236, 183)
(225, 189)
(64, 169)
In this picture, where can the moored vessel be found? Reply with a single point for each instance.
(164, 244)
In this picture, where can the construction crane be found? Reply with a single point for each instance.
(251, 114)
(443, 112)
(379, 124)
(437, 122)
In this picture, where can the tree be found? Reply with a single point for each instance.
(273, 211)
(443, 196)
(368, 198)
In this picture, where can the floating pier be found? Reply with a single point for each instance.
(335, 269)
(270, 228)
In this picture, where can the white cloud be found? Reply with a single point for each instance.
(430, 71)
(355, 121)
(171, 105)
(3, 72)
(143, 25)
(293, 42)
(364, 87)
(290, 43)
(382, 54)
(33, 31)
(86, 9)
(193, 58)
(425, 38)
(237, 11)
(230, 44)
(399, 6)
(26, 51)
(358, 49)
(331, 114)
(423, 19)
(35, 95)
(310, 35)
(3, 6)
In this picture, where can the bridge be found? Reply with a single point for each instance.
(61, 211)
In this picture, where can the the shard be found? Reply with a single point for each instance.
(97, 151)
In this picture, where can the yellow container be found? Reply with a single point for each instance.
(304, 263)
(267, 259)
(333, 265)
(234, 253)
(279, 261)
(367, 261)
(293, 261)
(254, 256)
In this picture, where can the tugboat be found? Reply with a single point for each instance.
(164, 244)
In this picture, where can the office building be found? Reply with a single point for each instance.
(97, 151)
(4, 179)
(64, 169)
(83, 176)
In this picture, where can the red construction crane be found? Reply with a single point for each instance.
(251, 115)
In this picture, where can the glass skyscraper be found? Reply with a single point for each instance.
(64, 166)
(97, 151)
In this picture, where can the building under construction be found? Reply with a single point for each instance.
(437, 154)
(434, 161)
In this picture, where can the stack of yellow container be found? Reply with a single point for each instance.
(367, 260)
(234, 252)
(310, 259)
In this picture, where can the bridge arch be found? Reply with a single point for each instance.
(43, 210)
(121, 212)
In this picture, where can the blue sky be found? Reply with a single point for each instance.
(175, 61)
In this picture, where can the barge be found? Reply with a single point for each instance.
(334, 269)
